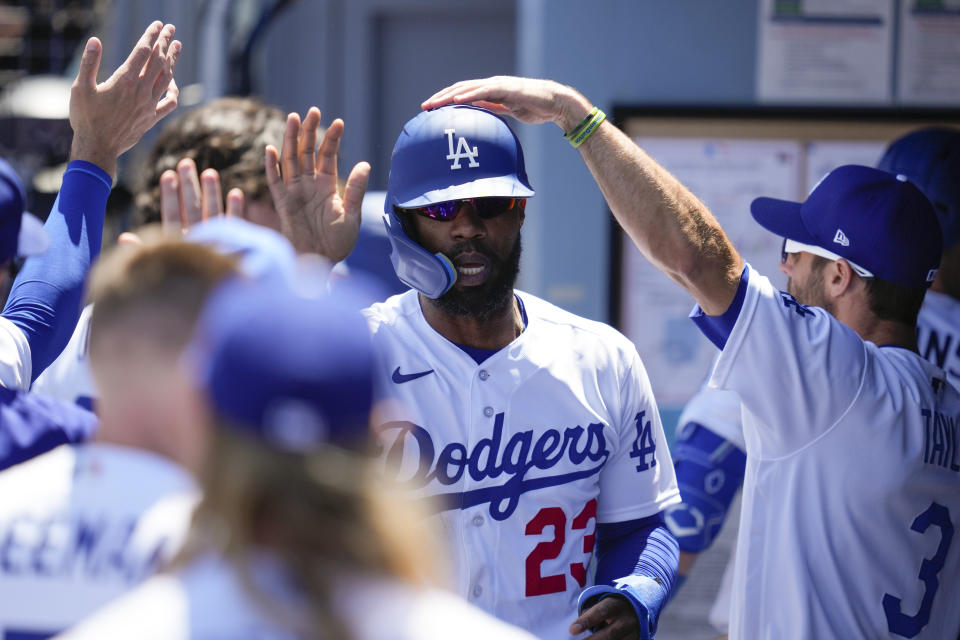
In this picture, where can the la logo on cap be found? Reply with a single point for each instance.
(463, 150)
(841, 238)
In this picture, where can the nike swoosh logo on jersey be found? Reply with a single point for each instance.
(400, 378)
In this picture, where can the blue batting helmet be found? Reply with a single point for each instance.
(930, 158)
(450, 153)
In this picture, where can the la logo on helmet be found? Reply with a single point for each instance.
(463, 150)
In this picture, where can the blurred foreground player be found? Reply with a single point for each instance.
(295, 536)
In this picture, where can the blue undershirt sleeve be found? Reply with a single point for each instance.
(717, 328)
(47, 296)
(640, 558)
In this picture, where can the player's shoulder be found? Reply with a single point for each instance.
(395, 309)
(941, 310)
(37, 483)
(547, 316)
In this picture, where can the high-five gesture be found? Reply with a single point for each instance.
(314, 216)
(110, 117)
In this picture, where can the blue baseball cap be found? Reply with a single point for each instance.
(21, 233)
(930, 158)
(454, 152)
(875, 219)
(294, 372)
(263, 253)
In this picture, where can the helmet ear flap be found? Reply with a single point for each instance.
(432, 274)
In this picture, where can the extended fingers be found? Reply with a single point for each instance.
(191, 204)
(355, 189)
(170, 217)
(329, 148)
(236, 204)
(271, 158)
(288, 155)
(89, 65)
(211, 194)
(446, 95)
(144, 47)
(307, 142)
(156, 62)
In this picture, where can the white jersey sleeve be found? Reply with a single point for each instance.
(780, 346)
(68, 378)
(718, 410)
(15, 359)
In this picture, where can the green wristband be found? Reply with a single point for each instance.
(581, 134)
(583, 123)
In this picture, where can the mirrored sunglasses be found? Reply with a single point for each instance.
(792, 246)
(486, 208)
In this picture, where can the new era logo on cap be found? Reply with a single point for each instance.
(841, 238)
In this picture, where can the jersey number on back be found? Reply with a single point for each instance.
(897, 621)
(539, 584)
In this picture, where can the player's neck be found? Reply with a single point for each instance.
(884, 333)
(491, 332)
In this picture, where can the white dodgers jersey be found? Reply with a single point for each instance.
(208, 600)
(79, 526)
(851, 501)
(938, 333)
(523, 453)
(15, 359)
(68, 378)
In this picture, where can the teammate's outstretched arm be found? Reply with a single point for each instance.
(670, 226)
(107, 119)
(314, 215)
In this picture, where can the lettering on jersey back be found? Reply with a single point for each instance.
(490, 459)
(937, 348)
(940, 440)
(86, 548)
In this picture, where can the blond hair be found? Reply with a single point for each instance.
(325, 514)
(156, 289)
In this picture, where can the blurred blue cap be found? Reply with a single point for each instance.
(294, 372)
(21, 233)
(930, 158)
(872, 218)
(456, 151)
(263, 253)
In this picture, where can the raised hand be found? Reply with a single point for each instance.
(186, 198)
(314, 216)
(110, 117)
(527, 100)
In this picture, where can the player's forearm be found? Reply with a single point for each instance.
(670, 226)
(46, 298)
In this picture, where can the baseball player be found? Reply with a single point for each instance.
(534, 431)
(82, 524)
(708, 455)
(293, 538)
(850, 497)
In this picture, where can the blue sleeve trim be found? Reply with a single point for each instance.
(640, 558)
(718, 328)
(91, 169)
(31, 424)
(46, 298)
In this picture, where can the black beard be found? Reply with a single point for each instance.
(493, 296)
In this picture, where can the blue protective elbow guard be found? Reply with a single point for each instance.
(644, 595)
(709, 471)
